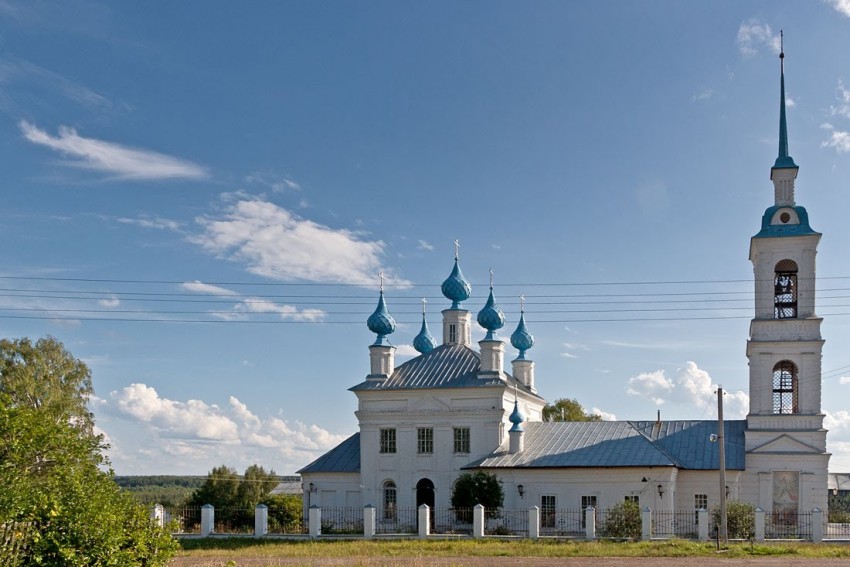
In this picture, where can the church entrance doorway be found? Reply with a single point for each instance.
(425, 495)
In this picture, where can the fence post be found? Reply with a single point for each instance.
(369, 517)
(207, 519)
(646, 523)
(478, 521)
(534, 522)
(261, 520)
(759, 524)
(702, 524)
(424, 521)
(315, 521)
(158, 515)
(590, 522)
(817, 525)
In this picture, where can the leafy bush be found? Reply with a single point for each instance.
(623, 520)
(480, 487)
(740, 519)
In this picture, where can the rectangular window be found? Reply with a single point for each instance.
(632, 498)
(388, 444)
(452, 333)
(585, 502)
(700, 503)
(461, 440)
(547, 511)
(425, 440)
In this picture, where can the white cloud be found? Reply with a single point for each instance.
(606, 416)
(703, 94)
(789, 102)
(157, 223)
(692, 386)
(838, 424)
(573, 347)
(425, 246)
(754, 35)
(109, 157)
(193, 419)
(286, 312)
(189, 428)
(841, 6)
(838, 139)
(406, 350)
(255, 305)
(844, 380)
(652, 385)
(111, 302)
(209, 289)
(278, 183)
(278, 244)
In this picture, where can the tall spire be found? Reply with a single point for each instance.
(784, 160)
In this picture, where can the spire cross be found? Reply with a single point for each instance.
(457, 248)
(491, 278)
(782, 51)
(424, 301)
(381, 275)
(521, 303)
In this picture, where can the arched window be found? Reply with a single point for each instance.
(390, 500)
(785, 387)
(785, 290)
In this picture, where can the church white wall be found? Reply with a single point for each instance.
(331, 490)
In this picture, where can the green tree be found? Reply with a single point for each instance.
(233, 497)
(475, 488)
(51, 475)
(565, 409)
(46, 377)
(255, 486)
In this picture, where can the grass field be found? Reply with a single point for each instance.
(230, 551)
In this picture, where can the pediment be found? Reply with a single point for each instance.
(785, 444)
(427, 403)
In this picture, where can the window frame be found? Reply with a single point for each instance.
(462, 441)
(389, 499)
(785, 388)
(548, 507)
(388, 441)
(424, 440)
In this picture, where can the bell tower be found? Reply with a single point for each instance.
(785, 438)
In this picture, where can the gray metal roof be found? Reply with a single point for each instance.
(447, 366)
(344, 458)
(683, 444)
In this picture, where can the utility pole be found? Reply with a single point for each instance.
(723, 536)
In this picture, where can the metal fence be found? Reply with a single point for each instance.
(674, 523)
(184, 520)
(565, 522)
(14, 539)
(451, 521)
(835, 530)
(507, 522)
(287, 521)
(788, 525)
(397, 521)
(347, 520)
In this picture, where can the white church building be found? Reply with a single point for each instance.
(454, 408)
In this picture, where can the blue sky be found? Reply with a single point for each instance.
(198, 198)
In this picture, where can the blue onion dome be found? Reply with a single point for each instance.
(424, 342)
(491, 317)
(456, 287)
(381, 322)
(522, 339)
(516, 418)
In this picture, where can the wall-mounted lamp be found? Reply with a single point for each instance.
(312, 487)
(521, 489)
(727, 491)
(661, 491)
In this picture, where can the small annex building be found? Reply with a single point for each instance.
(455, 408)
